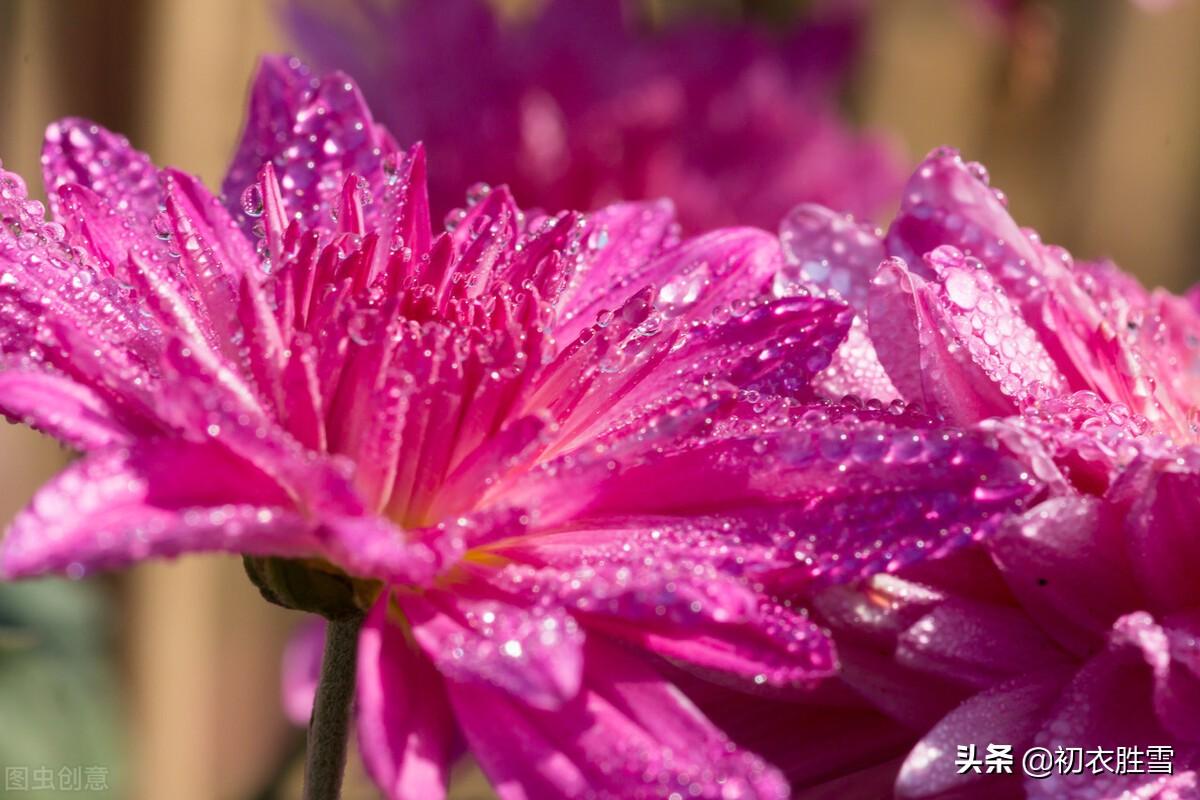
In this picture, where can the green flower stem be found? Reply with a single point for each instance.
(329, 729)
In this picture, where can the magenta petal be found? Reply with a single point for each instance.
(80, 151)
(844, 499)
(302, 670)
(949, 202)
(1173, 657)
(686, 608)
(373, 547)
(627, 734)
(956, 344)
(692, 279)
(976, 644)
(62, 408)
(1163, 551)
(287, 107)
(533, 653)
(1107, 704)
(1057, 553)
(830, 251)
(1006, 714)
(620, 238)
(118, 506)
(405, 727)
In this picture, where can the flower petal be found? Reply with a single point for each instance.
(534, 653)
(405, 727)
(956, 344)
(316, 131)
(80, 151)
(120, 505)
(830, 251)
(1058, 552)
(1008, 713)
(301, 670)
(62, 408)
(671, 587)
(627, 734)
(828, 493)
(1107, 704)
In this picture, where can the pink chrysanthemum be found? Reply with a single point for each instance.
(1078, 624)
(581, 105)
(549, 453)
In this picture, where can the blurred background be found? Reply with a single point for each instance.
(164, 680)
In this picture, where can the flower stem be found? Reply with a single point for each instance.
(329, 728)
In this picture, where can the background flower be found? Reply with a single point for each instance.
(733, 122)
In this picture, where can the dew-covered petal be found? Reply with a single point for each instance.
(619, 240)
(828, 251)
(768, 350)
(533, 653)
(1058, 552)
(1009, 713)
(1172, 654)
(1163, 552)
(81, 152)
(955, 344)
(812, 737)
(62, 408)
(405, 725)
(316, 131)
(672, 587)
(855, 369)
(976, 644)
(949, 202)
(121, 505)
(1109, 703)
(844, 498)
(692, 280)
(627, 733)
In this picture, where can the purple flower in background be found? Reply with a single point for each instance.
(1077, 624)
(552, 454)
(581, 105)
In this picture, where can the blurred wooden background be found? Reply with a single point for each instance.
(1085, 112)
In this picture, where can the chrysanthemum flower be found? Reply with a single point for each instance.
(582, 104)
(548, 453)
(1076, 626)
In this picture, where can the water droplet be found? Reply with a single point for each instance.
(252, 201)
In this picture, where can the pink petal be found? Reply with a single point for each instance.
(692, 607)
(619, 238)
(692, 279)
(302, 670)
(856, 370)
(627, 734)
(288, 106)
(62, 408)
(957, 346)
(812, 738)
(976, 644)
(1057, 553)
(1009, 713)
(830, 251)
(534, 653)
(119, 506)
(1173, 657)
(954, 488)
(1109, 704)
(1163, 553)
(80, 151)
(405, 726)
